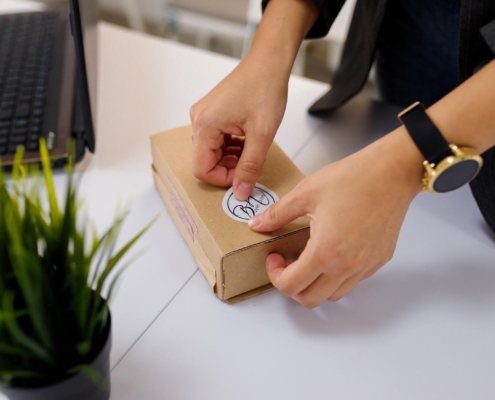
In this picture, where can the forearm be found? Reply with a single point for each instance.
(283, 27)
(466, 117)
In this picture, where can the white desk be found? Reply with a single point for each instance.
(146, 86)
(422, 328)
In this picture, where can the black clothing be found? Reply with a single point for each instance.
(418, 38)
(373, 34)
(476, 43)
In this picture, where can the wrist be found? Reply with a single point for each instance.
(269, 61)
(403, 160)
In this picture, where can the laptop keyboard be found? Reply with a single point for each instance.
(26, 43)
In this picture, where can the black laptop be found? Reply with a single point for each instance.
(48, 81)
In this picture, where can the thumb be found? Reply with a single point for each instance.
(250, 163)
(286, 210)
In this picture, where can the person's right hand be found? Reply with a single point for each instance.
(235, 124)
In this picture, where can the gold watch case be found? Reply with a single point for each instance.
(459, 155)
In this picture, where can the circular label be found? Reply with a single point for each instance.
(261, 198)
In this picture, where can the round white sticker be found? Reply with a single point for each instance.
(261, 198)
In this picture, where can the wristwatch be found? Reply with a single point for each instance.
(447, 167)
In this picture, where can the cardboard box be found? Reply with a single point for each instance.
(230, 255)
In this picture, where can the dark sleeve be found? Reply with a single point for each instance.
(488, 33)
(329, 9)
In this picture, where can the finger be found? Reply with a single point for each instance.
(235, 141)
(250, 164)
(319, 291)
(345, 288)
(207, 145)
(232, 151)
(207, 152)
(226, 138)
(275, 265)
(287, 209)
(291, 279)
(229, 162)
(219, 176)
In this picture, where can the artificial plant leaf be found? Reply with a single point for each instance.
(55, 214)
(9, 349)
(116, 277)
(115, 259)
(45, 230)
(16, 332)
(16, 169)
(60, 255)
(103, 317)
(107, 246)
(27, 269)
(83, 348)
(46, 268)
(98, 319)
(29, 234)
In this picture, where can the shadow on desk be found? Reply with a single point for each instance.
(373, 117)
(346, 131)
(386, 298)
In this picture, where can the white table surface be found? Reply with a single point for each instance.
(147, 85)
(423, 327)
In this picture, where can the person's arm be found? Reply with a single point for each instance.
(357, 205)
(235, 124)
(284, 25)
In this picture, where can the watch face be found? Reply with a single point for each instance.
(456, 176)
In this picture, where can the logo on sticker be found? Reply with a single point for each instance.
(261, 198)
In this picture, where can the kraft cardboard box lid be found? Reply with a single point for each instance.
(172, 155)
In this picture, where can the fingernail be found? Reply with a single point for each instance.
(255, 221)
(243, 191)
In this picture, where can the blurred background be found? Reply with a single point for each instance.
(222, 26)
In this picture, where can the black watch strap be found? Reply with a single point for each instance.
(425, 134)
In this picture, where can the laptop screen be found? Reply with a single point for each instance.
(89, 19)
(84, 27)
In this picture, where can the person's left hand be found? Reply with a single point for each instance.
(356, 208)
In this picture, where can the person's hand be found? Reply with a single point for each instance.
(235, 124)
(356, 208)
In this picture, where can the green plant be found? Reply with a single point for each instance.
(53, 274)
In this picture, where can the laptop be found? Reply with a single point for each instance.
(48, 81)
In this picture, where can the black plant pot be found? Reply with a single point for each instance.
(76, 387)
